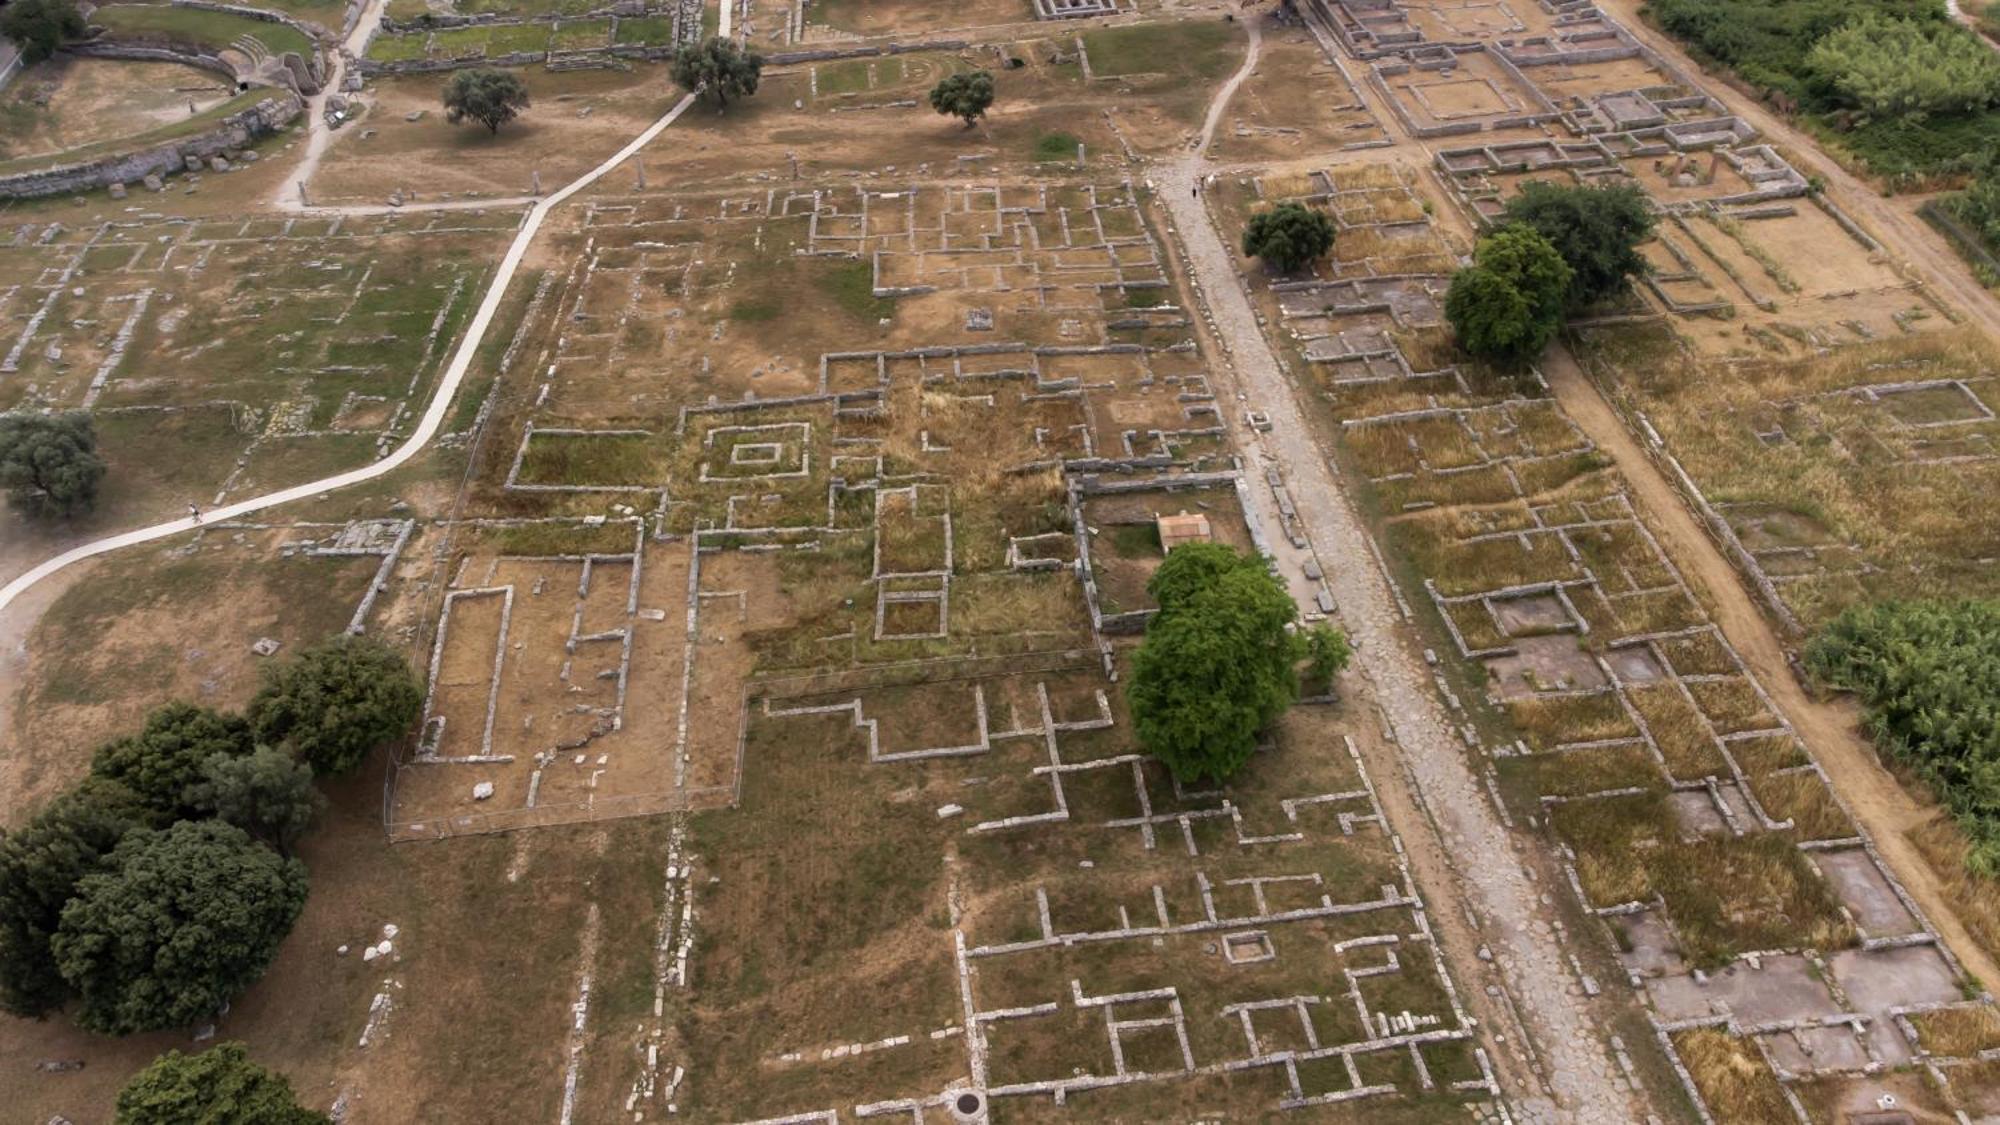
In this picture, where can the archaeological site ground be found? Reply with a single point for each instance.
(765, 495)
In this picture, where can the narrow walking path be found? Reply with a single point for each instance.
(433, 418)
(1881, 805)
(1528, 950)
(292, 193)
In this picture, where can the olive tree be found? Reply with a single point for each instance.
(48, 462)
(490, 97)
(965, 96)
(1288, 236)
(718, 66)
(335, 702)
(183, 921)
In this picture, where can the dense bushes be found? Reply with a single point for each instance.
(1929, 675)
(1904, 85)
(1902, 68)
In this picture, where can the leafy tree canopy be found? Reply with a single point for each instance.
(1928, 673)
(1509, 303)
(219, 1086)
(40, 866)
(490, 97)
(164, 761)
(1597, 230)
(38, 27)
(1288, 236)
(968, 95)
(48, 462)
(336, 701)
(267, 793)
(1217, 664)
(183, 921)
(718, 66)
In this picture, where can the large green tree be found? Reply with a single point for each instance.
(219, 1086)
(165, 760)
(490, 97)
(48, 462)
(267, 793)
(967, 96)
(718, 66)
(1509, 303)
(41, 864)
(184, 920)
(1218, 662)
(1288, 236)
(336, 701)
(38, 27)
(1597, 230)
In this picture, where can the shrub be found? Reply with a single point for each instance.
(1288, 236)
(1928, 674)
(219, 1086)
(1902, 68)
(38, 27)
(335, 702)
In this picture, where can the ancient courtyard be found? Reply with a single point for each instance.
(771, 501)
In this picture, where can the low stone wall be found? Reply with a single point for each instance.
(238, 130)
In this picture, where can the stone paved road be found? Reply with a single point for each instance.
(1587, 1086)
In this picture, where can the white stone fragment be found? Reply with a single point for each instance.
(482, 791)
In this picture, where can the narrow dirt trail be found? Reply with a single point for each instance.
(433, 417)
(1882, 806)
(292, 194)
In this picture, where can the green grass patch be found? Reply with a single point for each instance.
(1056, 146)
(591, 460)
(399, 48)
(580, 34)
(851, 285)
(197, 27)
(842, 77)
(646, 30)
(1180, 50)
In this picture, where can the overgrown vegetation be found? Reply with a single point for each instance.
(720, 67)
(1904, 86)
(38, 27)
(219, 1086)
(1929, 675)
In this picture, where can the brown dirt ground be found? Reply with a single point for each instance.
(433, 158)
(98, 99)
